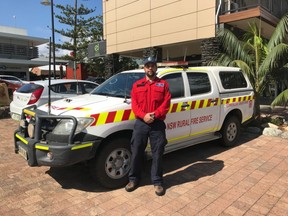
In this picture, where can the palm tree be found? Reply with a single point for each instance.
(282, 78)
(281, 99)
(256, 56)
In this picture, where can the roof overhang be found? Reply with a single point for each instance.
(28, 63)
(265, 21)
(36, 40)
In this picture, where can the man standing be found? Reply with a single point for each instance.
(150, 104)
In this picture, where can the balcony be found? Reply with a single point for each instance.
(276, 9)
(265, 13)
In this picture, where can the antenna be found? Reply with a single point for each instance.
(49, 79)
(14, 18)
(125, 91)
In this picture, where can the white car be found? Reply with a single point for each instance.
(36, 93)
(13, 79)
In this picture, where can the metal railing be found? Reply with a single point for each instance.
(277, 8)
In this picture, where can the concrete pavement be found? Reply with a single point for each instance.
(249, 179)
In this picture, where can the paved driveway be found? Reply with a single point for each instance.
(249, 179)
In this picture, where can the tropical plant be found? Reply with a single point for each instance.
(282, 78)
(256, 56)
(281, 99)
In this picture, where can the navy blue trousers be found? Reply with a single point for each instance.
(157, 137)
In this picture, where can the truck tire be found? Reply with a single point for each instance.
(230, 131)
(111, 165)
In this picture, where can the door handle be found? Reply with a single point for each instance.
(214, 101)
(185, 105)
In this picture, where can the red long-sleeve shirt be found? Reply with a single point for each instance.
(149, 97)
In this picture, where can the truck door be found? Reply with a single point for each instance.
(204, 104)
(178, 119)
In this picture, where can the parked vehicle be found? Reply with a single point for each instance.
(36, 93)
(98, 80)
(12, 86)
(207, 103)
(13, 79)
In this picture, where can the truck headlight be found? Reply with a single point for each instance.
(64, 126)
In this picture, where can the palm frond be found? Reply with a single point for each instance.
(248, 70)
(244, 67)
(232, 46)
(280, 33)
(276, 58)
(222, 60)
(256, 44)
(281, 99)
(253, 31)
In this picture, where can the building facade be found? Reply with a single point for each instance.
(179, 30)
(19, 52)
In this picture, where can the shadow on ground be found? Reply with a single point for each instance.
(75, 177)
(193, 162)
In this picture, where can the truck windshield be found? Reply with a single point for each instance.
(119, 85)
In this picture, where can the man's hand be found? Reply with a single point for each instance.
(149, 118)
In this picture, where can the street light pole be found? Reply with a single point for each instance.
(49, 79)
(75, 42)
(47, 3)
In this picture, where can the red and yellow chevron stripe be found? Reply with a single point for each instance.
(237, 99)
(72, 108)
(126, 115)
(112, 117)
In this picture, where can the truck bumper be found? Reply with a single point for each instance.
(53, 154)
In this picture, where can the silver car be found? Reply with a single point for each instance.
(36, 93)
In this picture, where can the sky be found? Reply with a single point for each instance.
(36, 18)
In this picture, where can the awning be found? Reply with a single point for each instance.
(44, 70)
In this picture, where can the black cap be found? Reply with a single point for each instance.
(149, 59)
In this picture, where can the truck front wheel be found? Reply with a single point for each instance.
(111, 165)
(230, 131)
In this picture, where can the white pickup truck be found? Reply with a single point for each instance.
(207, 103)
